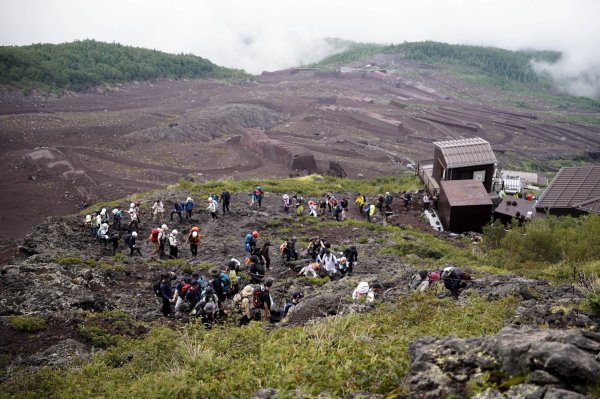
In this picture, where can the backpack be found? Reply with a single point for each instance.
(283, 247)
(154, 235)
(128, 239)
(260, 269)
(156, 288)
(185, 289)
(225, 282)
(257, 301)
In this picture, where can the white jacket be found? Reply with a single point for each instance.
(329, 262)
(172, 240)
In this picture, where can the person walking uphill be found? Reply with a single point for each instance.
(177, 209)
(212, 208)
(225, 199)
(257, 196)
(130, 240)
(173, 245)
(166, 294)
(250, 242)
(194, 240)
(189, 207)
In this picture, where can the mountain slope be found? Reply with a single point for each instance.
(88, 63)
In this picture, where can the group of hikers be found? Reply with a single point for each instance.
(205, 296)
(454, 279)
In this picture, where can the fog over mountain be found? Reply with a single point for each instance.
(270, 34)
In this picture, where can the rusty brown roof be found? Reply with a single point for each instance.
(466, 152)
(465, 192)
(574, 187)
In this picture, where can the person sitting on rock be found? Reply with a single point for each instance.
(363, 291)
(455, 279)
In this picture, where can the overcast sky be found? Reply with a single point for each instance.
(272, 34)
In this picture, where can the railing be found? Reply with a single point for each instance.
(424, 171)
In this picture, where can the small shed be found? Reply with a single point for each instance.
(514, 208)
(574, 191)
(464, 205)
(464, 159)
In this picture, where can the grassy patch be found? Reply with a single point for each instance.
(337, 357)
(73, 260)
(28, 324)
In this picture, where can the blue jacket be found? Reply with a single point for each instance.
(166, 292)
(189, 206)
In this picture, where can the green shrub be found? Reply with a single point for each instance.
(73, 260)
(590, 285)
(28, 324)
(97, 336)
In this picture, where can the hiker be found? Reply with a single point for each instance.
(423, 279)
(117, 218)
(314, 247)
(436, 200)
(289, 249)
(364, 291)
(181, 290)
(166, 293)
(242, 301)
(177, 209)
(173, 244)
(455, 279)
(212, 208)
(290, 305)
(193, 294)
(87, 223)
(194, 240)
(262, 299)
(103, 235)
(114, 240)
(337, 213)
(380, 201)
(257, 196)
(220, 283)
(97, 222)
(104, 215)
(329, 261)
(369, 211)
(225, 199)
(298, 203)
(133, 218)
(388, 200)
(426, 202)
(501, 194)
(207, 307)
(158, 210)
(344, 204)
(264, 255)
(286, 203)
(153, 238)
(312, 208)
(163, 237)
(189, 207)
(250, 241)
(232, 268)
(255, 269)
(360, 201)
(310, 268)
(331, 202)
(323, 206)
(351, 255)
(343, 265)
(130, 239)
(406, 198)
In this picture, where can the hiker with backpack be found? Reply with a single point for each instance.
(189, 207)
(331, 202)
(103, 235)
(177, 209)
(289, 250)
(225, 199)
(298, 204)
(250, 241)
(351, 255)
(243, 301)
(257, 196)
(166, 293)
(262, 300)
(181, 290)
(407, 199)
(212, 208)
(194, 240)
(423, 279)
(290, 305)
(153, 238)
(232, 269)
(117, 218)
(337, 212)
(365, 292)
(369, 211)
(360, 201)
(330, 263)
(313, 208)
(455, 279)
(388, 200)
(344, 204)
(314, 247)
(311, 268)
(323, 206)
(193, 295)
(134, 218)
(114, 240)
(207, 307)
(173, 244)
(255, 269)
(163, 237)
(263, 254)
(130, 239)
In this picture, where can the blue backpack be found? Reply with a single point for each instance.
(247, 241)
(225, 282)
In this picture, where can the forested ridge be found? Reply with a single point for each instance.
(88, 63)
(514, 65)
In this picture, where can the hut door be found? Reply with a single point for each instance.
(479, 175)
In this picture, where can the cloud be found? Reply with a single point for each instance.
(274, 34)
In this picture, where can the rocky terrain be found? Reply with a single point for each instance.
(63, 276)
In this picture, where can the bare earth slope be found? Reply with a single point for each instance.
(60, 154)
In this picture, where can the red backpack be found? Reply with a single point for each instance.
(154, 235)
(185, 289)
